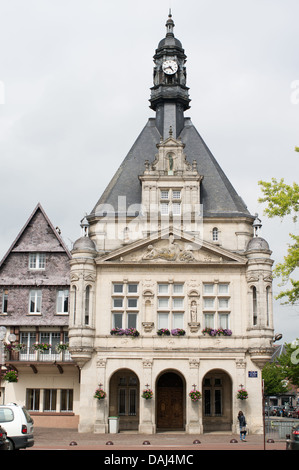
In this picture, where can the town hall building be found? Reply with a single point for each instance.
(171, 286)
(167, 294)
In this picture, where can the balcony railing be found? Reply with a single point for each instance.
(33, 355)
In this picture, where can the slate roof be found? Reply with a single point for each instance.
(218, 196)
(52, 243)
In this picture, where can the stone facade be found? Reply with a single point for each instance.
(171, 289)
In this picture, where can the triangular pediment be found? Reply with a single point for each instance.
(37, 235)
(166, 247)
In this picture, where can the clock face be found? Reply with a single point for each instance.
(170, 67)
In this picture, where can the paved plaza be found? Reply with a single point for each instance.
(70, 439)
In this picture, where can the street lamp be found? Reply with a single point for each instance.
(277, 337)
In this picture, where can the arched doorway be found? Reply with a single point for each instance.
(217, 401)
(170, 402)
(124, 399)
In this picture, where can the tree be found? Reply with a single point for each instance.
(283, 200)
(274, 379)
(289, 362)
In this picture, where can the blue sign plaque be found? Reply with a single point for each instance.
(252, 373)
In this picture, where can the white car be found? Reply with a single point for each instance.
(18, 425)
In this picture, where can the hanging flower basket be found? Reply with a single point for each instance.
(99, 394)
(163, 332)
(19, 346)
(242, 394)
(147, 394)
(195, 395)
(11, 376)
(62, 347)
(13, 347)
(42, 347)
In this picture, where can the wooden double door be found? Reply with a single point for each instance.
(170, 402)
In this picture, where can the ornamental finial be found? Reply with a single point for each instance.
(169, 25)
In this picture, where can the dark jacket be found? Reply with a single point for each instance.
(242, 421)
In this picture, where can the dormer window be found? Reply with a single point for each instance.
(37, 261)
(173, 204)
(215, 234)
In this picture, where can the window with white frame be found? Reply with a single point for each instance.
(66, 399)
(29, 338)
(35, 301)
(50, 399)
(52, 338)
(37, 261)
(62, 306)
(55, 400)
(170, 299)
(216, 305)
(125, 305)
(170, 201)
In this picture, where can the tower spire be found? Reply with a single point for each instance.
(169, 95)
(169, 25)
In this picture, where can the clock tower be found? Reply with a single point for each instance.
(170, 95)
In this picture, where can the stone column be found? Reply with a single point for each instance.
(193, 409)
(147, 407)
(102, 406)
(240, 381)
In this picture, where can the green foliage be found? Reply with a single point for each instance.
(289, 362)
(274, 379)
(282, 200)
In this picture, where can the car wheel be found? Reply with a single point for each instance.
(10, 445)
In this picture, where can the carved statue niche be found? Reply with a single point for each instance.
(148, 297)
(193, 312)
(170, 163)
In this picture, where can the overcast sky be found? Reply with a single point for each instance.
(75, 78)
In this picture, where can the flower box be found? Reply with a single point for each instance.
(163, 332)
(124, 332)
(217, 332)
(178, 332)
